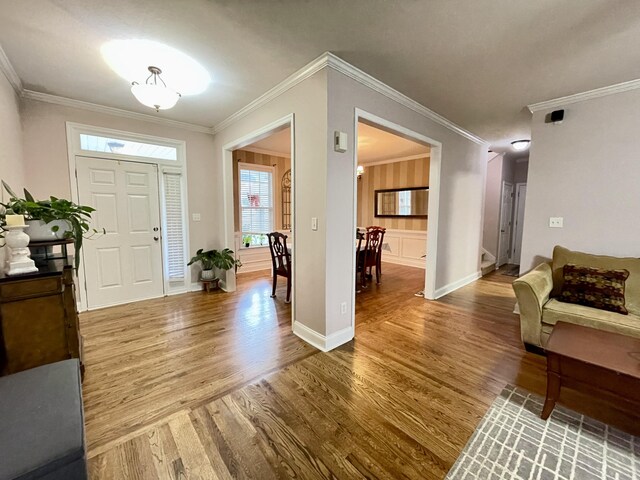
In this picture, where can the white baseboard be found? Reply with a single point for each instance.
(442, 291)
(407, 262)
(322, 342)
(255, 266)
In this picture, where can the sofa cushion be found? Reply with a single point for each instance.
(562, 256)
(41, 423)
(594, 287)
(555, 311)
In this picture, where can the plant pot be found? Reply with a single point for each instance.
(247, 245)
(207, 275)
(39, 231)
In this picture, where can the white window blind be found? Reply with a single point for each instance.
(174, 234)
(256, 200)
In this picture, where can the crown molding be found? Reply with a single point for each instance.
(394, 160)
(588, 95)
(264, 151)
(288, 83)
(94, 107)
(9, 72)
(328, 59)
(373, 83)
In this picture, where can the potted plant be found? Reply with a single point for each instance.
(51, 219)
(210, 259)
(246, 240)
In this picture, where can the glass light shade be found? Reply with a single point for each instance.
(155, 96)
(520, 145)
(130, 59)
(360, 170)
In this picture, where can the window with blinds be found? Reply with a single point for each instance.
(256, 202)
(174, 226)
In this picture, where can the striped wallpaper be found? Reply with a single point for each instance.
(282, 164)
(406, 173)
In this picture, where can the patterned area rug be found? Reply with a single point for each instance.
(513, 442)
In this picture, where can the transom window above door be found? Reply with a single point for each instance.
(96, 143)
(256, 202)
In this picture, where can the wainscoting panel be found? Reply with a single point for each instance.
(406, 247)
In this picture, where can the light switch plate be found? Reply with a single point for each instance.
(314, 223)
(556, 222)
(195, 217)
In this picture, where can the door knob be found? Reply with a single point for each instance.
(155, 229)
(156, 238)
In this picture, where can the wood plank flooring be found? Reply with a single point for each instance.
(216, 386)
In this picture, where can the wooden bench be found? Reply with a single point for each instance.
(586, 358)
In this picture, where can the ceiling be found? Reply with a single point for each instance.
(478, 63)
(374, 145)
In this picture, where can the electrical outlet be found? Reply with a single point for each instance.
(556, 222)
(195, 217)
(343, 308)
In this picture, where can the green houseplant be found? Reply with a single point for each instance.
(56, 211)
(210, 259)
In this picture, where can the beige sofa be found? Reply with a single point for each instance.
(539, 310)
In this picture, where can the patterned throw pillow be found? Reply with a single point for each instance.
(594, 287)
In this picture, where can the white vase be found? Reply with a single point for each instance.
(40, 231)
(207, 275)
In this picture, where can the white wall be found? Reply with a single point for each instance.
(11, 156)
(586, 170)
(492, 204)
(461, 192)
(308, 102)
(47, 166)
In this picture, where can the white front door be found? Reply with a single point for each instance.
(521, 194)
(124, 264)
(506, 211)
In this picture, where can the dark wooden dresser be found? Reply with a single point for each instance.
(39, 318)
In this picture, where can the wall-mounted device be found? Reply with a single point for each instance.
(340, 142)
(556, 117)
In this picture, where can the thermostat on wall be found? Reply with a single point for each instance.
(340, 142)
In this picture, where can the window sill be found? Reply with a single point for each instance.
(255, 247)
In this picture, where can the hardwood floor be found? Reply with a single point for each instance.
(216, 386)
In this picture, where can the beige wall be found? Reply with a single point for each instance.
(585, 170)
(281, 164)
(11, 155)
(404, 174)
(47, 167)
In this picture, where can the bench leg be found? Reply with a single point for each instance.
(553, 393)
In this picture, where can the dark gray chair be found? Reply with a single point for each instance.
(42, 424)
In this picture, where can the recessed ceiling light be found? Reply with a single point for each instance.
(520, 145)
(131, 60)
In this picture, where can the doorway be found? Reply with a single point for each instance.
(506, 212)
(125, 263)
(413, 247)
(259, 193)
(520, 197)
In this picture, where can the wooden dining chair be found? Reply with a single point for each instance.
(280, 261)
(373, 250)
(360, 259)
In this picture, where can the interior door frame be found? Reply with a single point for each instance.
(435, 161)
(514, 231)
(164, 166)
(229, 202)
(502, 213)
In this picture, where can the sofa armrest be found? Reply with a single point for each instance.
(532, 291)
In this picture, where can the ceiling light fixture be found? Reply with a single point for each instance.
(520, 145)
(153, 94)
